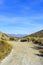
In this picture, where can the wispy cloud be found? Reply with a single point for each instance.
(33, 20)
(21, 15)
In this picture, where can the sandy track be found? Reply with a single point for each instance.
(22, 54)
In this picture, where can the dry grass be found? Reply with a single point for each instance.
(37, 40)
(41, 51)
(33, 39)
(5, 49)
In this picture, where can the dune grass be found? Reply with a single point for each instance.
(5, 49)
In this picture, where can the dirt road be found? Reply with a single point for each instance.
(22, 54)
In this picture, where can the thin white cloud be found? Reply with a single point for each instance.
(22, 20)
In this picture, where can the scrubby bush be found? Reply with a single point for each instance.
(23, 40)
(12, 38)
(37, 40)
(41, 51)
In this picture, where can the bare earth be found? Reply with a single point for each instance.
(22, 54)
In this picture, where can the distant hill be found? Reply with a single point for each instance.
(18, 35)
(36, 34)
(4, 36)
(37, 37)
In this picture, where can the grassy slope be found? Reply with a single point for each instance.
(4, 36)
(5, 49)
(36, 38)
(37, 34)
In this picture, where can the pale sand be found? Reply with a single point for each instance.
(22, 54)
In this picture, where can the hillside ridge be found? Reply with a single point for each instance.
(36, 34)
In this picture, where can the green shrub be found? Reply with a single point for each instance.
(11, 38)
(23, 40)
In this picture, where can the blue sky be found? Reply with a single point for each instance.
(21, 16)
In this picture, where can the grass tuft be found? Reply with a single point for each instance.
(5, 49)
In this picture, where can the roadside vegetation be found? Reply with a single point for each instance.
(41, 51)
(5, 49)
(36, 40)
(24, 40)
(12, 39)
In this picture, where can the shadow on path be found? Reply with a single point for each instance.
(37, 47)
(40, 55)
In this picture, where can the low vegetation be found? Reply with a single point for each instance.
(36, 37)
(12, 39)
(41, 51)
(24, 40)
(35, 40)
(5, 49)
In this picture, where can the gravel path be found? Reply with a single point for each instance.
(22, 54)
